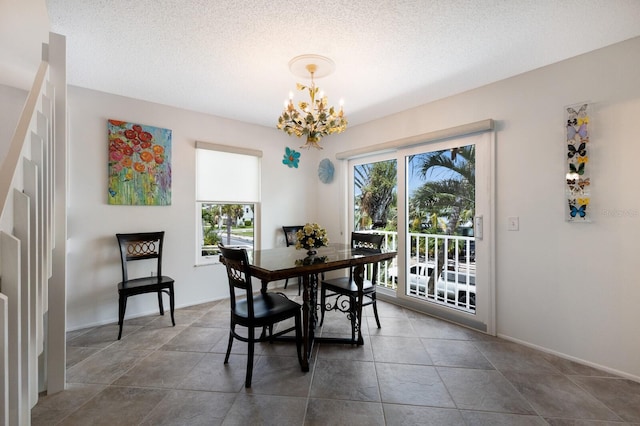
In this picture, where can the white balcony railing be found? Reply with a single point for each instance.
(452, 256)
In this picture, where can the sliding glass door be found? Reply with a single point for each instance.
(434, 204)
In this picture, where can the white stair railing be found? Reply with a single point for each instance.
(27, 243)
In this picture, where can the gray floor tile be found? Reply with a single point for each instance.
(429, 327)
(79, 354)
(621, 395)
(147, 338)
(190, 408)
(116, 406)
(401, 350)
(196, 339)
(266, 410)
(479, 418)
(161, 369)
(391, 327)
(410, 415)
(483, 390)
(554, 395)
(513, 357)
(413, 385)
(280, 376)
(455, 353)
(340, 412)
(211, 374)
(352, 380)
(105, 366)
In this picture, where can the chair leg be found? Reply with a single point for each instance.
(226, 358)
(354, 316)
(172, 304)
(251, 337)
(375, 309)
(160, 304)
(286, 282)
(323, 297)
(299, 337)
(122, 307)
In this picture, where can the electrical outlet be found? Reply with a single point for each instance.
(513, 223)
(153, 273)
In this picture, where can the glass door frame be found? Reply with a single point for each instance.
(484, 319)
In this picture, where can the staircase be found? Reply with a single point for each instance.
(33, 234)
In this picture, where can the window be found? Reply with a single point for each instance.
(227, 198)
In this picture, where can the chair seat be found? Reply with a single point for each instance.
(131, 286)
(267, 306)
(344, 285)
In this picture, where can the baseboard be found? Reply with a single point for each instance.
(571, 358)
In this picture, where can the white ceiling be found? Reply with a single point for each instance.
(230, 58)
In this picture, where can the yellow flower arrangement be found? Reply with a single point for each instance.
(311, 236)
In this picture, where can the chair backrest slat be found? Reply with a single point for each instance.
(239, 276)
(140, 246)
(367, 241)
(361, 240)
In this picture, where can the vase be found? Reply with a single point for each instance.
(311, 252)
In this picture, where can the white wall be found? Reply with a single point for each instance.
(567, 288)
(94, 265)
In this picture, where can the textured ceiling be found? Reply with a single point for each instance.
(230, 58)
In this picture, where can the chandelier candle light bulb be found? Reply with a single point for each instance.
(314, 119)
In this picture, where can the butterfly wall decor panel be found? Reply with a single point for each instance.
(577, 171)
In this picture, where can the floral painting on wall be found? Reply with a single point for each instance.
(139, 164)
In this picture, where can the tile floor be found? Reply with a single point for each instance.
(415, 370)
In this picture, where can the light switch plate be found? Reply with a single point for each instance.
(513, 223)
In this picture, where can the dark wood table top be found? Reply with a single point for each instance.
(287, 262)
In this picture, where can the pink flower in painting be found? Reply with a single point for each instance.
(117, 167)
(116, 155)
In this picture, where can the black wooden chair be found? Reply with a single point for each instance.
(136, 247)
(291, 239)
(346, 286)
(255, 311)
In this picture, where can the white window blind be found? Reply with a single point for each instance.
(227, 174)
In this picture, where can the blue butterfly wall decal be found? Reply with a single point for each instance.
(578, 211)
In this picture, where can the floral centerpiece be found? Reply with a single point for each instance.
(311, 236)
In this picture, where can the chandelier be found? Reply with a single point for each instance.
(312, 119)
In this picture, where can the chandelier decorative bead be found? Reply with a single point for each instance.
(314, 119)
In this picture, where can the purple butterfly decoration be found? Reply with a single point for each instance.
(581, 131)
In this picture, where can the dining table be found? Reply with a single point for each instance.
(280, 263)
